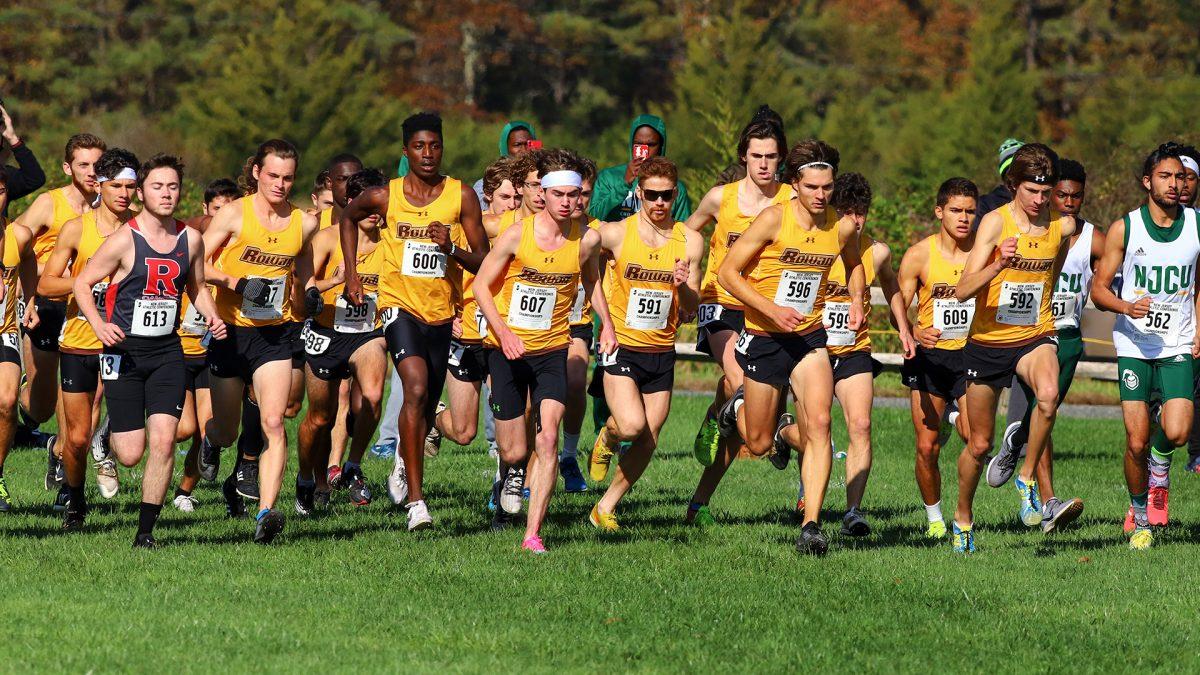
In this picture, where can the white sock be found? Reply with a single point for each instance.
(570, 446)
(933, 512)
(737, 405)
(952, 417)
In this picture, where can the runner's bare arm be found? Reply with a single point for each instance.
(706, 212)
(978, 272)
(856, 276)
(104, 264)
(589, 272)
(224, 227)
(1110, 262)
(37, 217)
(757, 236)
(491, 272)
(27, 272)
(689, 292)
(471, 220)
(372, 201)
(882, 256)
(197, 286)
(912, 266)
(1098, 238)
(52, 283)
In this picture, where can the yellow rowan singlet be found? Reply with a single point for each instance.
(731, 223)
(539, 288)
(340, 316)
(77, 336)
(841, 339)
(1014, 308)
(642, 298)
(416, 280)
(63, 211)
(10, 264)
(791, 271)
(474, 326)
(265, 254)
(581, 308)
(326, 219)
(936, 304)
(192, 328)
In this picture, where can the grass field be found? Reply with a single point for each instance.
(353, 591)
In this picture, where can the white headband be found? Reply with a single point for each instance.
(810, 165)
(125, 174)
(562, 179)
(1189, 163)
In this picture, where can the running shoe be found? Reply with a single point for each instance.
(812, 541)
(962, 540)
(727, 415)
(73, 519)
(534, 545)
(700, 516)
(5, 499)
(1193, 464)
(572, 477)
(781, 452)
(708, 441)
(397, 481)
(936, 530)
(208, 460)
(1030, 511)
(946, 429)
(1004, 464)
(418, 516)
(269, 525)
(1141, 539)
(854, 524)
(54, 467)
(605, 522)
(500, 521)
(185, 503)
(247, 479)
(235, 506)
(433, 440)
(384, 450)
(510, 491)
(1057, 513)
(1157, 506)
(99, 445)
(360, 495)
(62, 500)
(494, 496)
(1129, 525)
(800, 499)
(602, 453)
(333, 476)
(145, 540)
(321, 499)
(106, 478)
(305, 504)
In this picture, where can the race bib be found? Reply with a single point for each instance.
(605, 360)
(10, 340)
(388, 315)
(836, 318)
(456, 353)
(314, 343)
(351, 318)
(273, 309)
(648, 309)
(154, 317)
(1062, 305)
(577, 308)
(707, 314)
(193, 322)
(953, 318)
(423, 259)
(481, 325)
(1020, 303)
(1162, 319)
(798, 290)
(532, 307)
(99, 291)
(743, 344)
(110, 366)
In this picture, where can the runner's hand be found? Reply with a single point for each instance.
(1196, 346)
(682, 272)
(255, 290)
(785, 318)
(608, 339)
(856, 317)
(908, 343)
(217, 327)
(456, 328)
(440, 235)
(31, 318)
(109, 334)
(928, 337)
(1139, 309)
(354, 289)
(510, 344)
(314, 304)
(1008, 250)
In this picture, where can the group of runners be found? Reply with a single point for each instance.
(214, 330)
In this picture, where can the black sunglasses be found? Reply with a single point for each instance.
(659, 195)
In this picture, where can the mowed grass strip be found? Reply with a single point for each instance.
(353, 590)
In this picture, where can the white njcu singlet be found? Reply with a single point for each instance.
(1074, 282)
(1166, 272)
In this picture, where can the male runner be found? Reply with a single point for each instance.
(655, 285)
(322, 194)
(254, 247)
(1070, 296)
(44, 219)
(733, 207)
(78, 241)
(1011, 272)
(1155, 247)
(420, 213)
(930, 270)
(150, 261)
(854, 369)
(778, 270)
(343, 340)
(18, 263)
(537, 266)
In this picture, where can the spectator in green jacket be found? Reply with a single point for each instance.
(615, 194)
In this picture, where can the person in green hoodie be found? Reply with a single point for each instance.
(615, 195)
(514, 140)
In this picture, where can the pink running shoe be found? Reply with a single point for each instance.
(533, 545)
(1129, 524)
(1156, 508)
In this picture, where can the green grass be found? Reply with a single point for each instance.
(355, 591)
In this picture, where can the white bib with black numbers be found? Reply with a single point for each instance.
(531, 307)
(1020, 303)
(154, 317)
(953, 318)
(648, 308)
(836, 318)
(352, 318)
(423, 259)
(798, 290)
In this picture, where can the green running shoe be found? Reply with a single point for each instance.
(708, 440)
(5, 500)
(703, 517)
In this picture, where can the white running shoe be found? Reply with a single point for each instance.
(418, 516)
(186, 503)
(433, 440)
(106, 478)
(397, 481)
(511, 490)
(100, 449)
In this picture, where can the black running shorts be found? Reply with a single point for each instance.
(712, 319)
(651, 371)
(938, 372)
(406, 336)
(10, 348)
(246, 348)
(585, 332)
(328, 352)
(79, 373)
(995, 366)
(771, 358)
(143, 377)
(468, 362)
(195, 372)
(533, 379)
(854, 363)
(51, 315)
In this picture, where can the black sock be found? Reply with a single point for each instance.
(78, 501)
(251, 442)
(147, 516)
(180, 492)
(24, 419)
